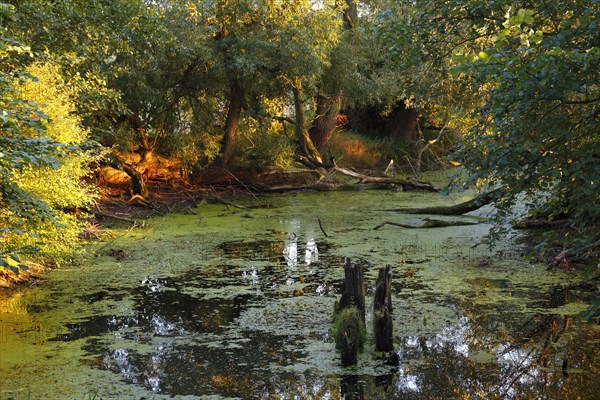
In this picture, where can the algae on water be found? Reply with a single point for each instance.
(219, 305)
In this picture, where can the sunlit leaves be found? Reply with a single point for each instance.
(539, 131)
(39, 169)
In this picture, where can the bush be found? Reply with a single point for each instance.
(39, 192)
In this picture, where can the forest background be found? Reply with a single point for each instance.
(506, 91)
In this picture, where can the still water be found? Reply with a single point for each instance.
(227, 302)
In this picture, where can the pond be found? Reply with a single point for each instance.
(229, 302)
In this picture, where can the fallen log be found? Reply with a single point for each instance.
(113, 216)
(404, 183)
(427, 223)
(316, 187)
(457, 209)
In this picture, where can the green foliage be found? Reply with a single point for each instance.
(40, 169)
(523, 78)
(265, 144)
(538, 131)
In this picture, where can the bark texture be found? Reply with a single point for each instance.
(382, 315)
(138, 185)
(232, 122)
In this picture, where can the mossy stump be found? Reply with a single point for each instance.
(350, 333)
(382, 315)
(349, 314)
(353, 288)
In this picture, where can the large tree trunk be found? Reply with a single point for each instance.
(350, 14)
(349, 314)
(403, 122)
(323, 126)
(309, 155)
(382, 311)
(234, 114)
(145, 149)
(328, 106)
(138, 185)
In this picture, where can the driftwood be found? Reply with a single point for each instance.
(457, 209)
(349, 314)
(382, 315)
(404, 183)
(427, 223)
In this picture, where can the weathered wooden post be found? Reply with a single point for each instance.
(349, 314)
(353, 289)
(382, 315)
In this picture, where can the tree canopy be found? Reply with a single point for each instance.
(512, 84)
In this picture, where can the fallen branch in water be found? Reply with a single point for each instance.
(113, 216)
(321, 226)
(404, 183)
(218, 199)
(427, 223)
(457, 209)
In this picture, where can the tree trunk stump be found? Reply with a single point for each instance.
(382, 315)
(353, 294)
(349, 314)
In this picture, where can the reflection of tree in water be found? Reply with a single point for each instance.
(480, 358)
(179, 344)
(496, 353)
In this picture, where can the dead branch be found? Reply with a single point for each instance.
(113, 216)
(457, 209)
(425, 148)
(427, 223)
(321, 226)
(404, 183)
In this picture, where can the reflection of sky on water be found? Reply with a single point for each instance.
(465, 356)
(291, 247)
(290, 252)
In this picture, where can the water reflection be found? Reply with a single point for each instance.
(519, 356)
(311, 254)
(251, 319)
(290, 251)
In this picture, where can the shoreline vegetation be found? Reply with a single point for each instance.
(142, 108)
(117, 206)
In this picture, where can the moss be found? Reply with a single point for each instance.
(348, 326)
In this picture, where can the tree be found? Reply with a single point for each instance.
(328, 100)
(39, 169)
(529, 78)
(538, 127)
